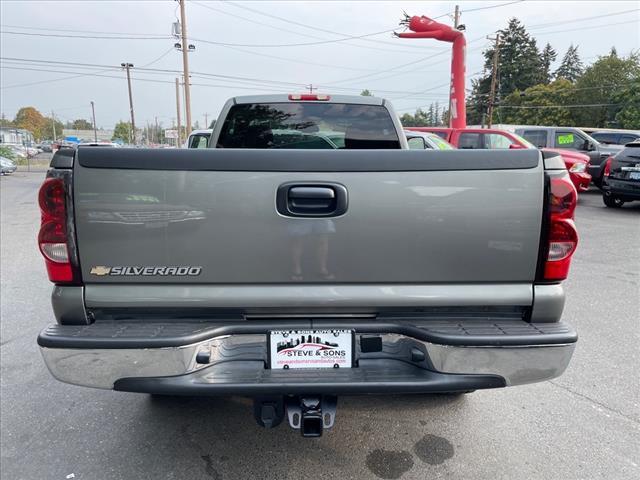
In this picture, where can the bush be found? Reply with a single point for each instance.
(6, 152)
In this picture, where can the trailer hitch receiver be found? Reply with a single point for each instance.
(311, 414)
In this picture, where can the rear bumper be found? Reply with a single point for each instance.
(581, 180)
(415, 357)
(596, 170)
(625, 189)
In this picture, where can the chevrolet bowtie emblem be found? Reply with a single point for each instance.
(100, 270)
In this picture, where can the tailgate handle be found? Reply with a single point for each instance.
(311, 200)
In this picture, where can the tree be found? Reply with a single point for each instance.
(5, 123)
(548, 56)
(629, 114)
(431, 118)
(47, 129)
(366, 93)
(30, 119)
(604, 83)
(520, 66)
(419, 119)
(539, 105)
(122, 132)
(571, 66)
(81, 124)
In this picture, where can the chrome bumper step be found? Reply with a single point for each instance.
(413, 357)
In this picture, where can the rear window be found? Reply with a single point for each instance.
(606, 137)
(624, 139)
(308, 125)
(536, 137)
(470, 141)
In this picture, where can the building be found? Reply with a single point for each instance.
(16, 136)
(87, 135)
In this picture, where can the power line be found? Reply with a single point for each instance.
(317, 28)
(307, 35)
(586, 28)
(582, 19)
(139, 79)
(590, 105)
(224, 44)
(56, 35)
(172, 49)
(25, 27)
(27, 64)
(491, 6)
(444, 52)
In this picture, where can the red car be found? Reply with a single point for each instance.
(480, 138)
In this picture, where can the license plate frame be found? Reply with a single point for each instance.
(306, 349)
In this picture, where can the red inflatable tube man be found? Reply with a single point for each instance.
(424, 27)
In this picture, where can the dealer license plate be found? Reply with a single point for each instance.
(310, 349)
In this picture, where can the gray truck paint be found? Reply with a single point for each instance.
(439, 227)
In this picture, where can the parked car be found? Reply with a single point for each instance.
(426, 140)
(621, 181)
(19, 151)
(199, 138)
(47, 146)
(374, 268)
(578, 166)
(32, 151)
(493, 138)
(614, 136)
(570, 138)
(7, 166)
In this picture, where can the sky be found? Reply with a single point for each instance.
(262, 51)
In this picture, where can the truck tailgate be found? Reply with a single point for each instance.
(210, 217)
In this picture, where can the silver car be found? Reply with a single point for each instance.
(7, 166)
(426, 140)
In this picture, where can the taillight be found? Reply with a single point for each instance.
(578, 167)
(607, 167)
(563, 236)
(309, 97)
(53, 236)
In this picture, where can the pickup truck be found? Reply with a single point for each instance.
(472, 138)
(570, 138)
(310, 254)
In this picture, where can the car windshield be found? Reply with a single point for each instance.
(308, 126)
(439, 142)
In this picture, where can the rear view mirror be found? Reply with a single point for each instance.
(515, 146)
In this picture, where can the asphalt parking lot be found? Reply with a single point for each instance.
(585, 424)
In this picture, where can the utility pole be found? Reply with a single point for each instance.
(156, 135)
(185, 65)
(53, 123)
(127, 67)
(178, 110)
(311, 88)
(494, 75)
(93, 114)
(456, 17)
(206, 120)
